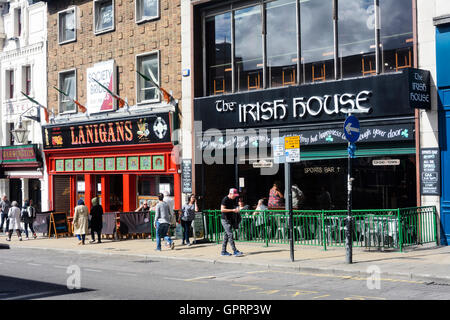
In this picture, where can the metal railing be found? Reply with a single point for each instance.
(383, 228)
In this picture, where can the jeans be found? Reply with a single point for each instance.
(4, 219)
(161, 232)
(81, 237)
(228, 236)
(99, 234)
(26, 225)
(186, 230)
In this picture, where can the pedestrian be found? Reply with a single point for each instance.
(298, 198)
(152, 205)
(230, 210)
(4, 207)
(81, 221)
(14, 221)
(242, 205)
(324, 199)
(259, 216)
(188, 215)
(276, 198)
(96, 220)
(143, 207)
(163, 217)
(28, 216)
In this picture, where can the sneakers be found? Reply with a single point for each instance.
(188, 244)
(237, 253)
(225, 253)
(20, 238)
(34, 235)
(27, 238)
(8, 239)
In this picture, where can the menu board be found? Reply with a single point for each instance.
(430, 168)
(187, 175)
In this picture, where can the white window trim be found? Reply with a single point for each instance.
(7, 84)
(138, 78)
(24, 78)
(59, 94)
(142, 20)
(75, 23)
(94, 10)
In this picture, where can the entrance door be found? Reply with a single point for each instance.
(445, 171)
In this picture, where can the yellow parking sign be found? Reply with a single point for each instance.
(292, 142)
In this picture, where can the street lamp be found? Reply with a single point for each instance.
(20, 133)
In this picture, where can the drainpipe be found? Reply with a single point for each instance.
(416, 111)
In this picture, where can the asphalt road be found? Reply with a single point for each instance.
(55, 275)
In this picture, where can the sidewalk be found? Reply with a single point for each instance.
(427, 263)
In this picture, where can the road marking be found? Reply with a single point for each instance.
(249, 288)
(299, 292)
(126, 274)
(92, 270)
(201, 278)
(60, 267)
(325, 295)
(34, 264)
(33, 295)
(364, 298)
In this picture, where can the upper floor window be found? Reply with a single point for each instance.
(147, 10)
(9, 81)
(67, 24)
(67, 83)
(147, 64)
(103, 15)
(26, 79)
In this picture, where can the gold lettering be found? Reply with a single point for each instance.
(103, 133)
(89, 134)
(74, 139)
(111, 133)
(81, 135)
(129, 133)
(96, 133)
(119, 131)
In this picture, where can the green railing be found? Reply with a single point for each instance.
(384, 228)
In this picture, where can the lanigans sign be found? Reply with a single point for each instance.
(144, 130)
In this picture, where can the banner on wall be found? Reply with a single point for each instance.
(98, 99)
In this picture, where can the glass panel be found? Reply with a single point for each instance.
(67, 31)
(356, 37)
(317, 44)
(281, 42)
(68, 86)
(105, 16)
(218, 53)
(148, 66)
(248, 48)
(149, 8)
(396, 34)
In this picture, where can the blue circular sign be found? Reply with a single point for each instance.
(352, 129)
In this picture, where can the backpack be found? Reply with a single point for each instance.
(31, 212)
(23, 214)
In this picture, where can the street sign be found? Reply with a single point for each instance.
(278, 150)
(386, 162)
(351, 129)
(292, 149)
(263, 164)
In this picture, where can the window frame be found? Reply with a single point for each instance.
(60, 73)
(94, 16)
(141, 19)
(74, 23)
(9, 95)
(138, 77)
(26, 80)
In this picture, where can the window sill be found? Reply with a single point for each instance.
(147, 19)
(100, 32)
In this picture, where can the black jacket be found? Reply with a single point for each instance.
(96, 218)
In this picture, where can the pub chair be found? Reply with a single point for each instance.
(402, 58)
(253, 80)
(318, 71)
(288, 75)
(367, 64)
(219, 85)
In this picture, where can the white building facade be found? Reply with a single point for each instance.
(23, 69)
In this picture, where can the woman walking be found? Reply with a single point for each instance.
(29, 215)
(81, 221)
(188, 215)
(14, 220)
(96, 220)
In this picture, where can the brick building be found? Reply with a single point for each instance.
(120, 152)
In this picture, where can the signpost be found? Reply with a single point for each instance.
(352, 133)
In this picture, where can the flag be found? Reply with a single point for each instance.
(82, 108)
(119, 99)
(46, 111)
(167, 97)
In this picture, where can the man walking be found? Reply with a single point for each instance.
(4, 207)
(162, 223)
(229, 209)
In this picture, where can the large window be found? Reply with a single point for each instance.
(26, 79)
(147, 10)
(281, 42)
(67, 83)
(148, 65)
(271, 43)
(103, 15)
(9, 81)
(66, 29)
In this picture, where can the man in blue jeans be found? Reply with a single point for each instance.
(162, 223)
(229, 208)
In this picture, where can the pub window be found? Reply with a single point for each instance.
(9, 81)
(281, 42)
(103, 15)
(26, 79)
(148, 65)
(396, 34)
(66, 26)
(147, 10)
(67, 83)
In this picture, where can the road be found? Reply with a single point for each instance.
(55, 275)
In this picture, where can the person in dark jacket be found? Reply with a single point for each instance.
(96, 220)
(29, 215)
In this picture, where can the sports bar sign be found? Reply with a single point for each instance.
(143, 130)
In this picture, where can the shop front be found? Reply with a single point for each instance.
(123, 161)
(236, 136)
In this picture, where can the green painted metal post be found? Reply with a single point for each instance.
(266, 239)
(323, 232)
(400, 233)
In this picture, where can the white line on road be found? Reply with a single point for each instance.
(92, 270)
(126, 274)
(34, 264)
(60, 267)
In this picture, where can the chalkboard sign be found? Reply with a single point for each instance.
(58, 225)
(198, 226)
(430, 168)
(187, 175)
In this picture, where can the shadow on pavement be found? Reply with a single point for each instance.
(23, 289)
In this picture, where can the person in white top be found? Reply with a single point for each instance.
(14, 220)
